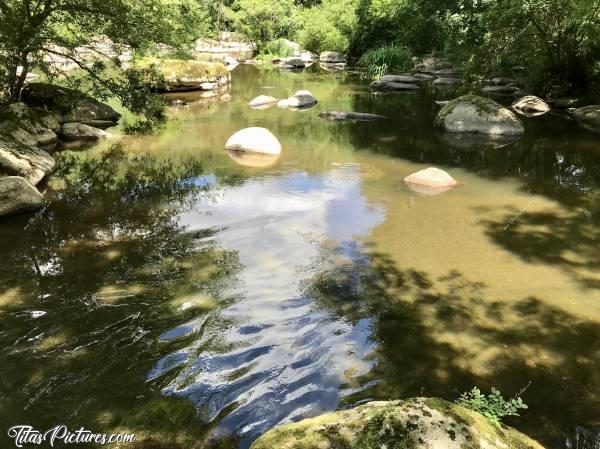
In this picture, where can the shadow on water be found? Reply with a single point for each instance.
(88, 285)
(439, 337)
(568, 240)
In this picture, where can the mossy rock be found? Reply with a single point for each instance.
(474, 114)
(181, 75)
(414, 423)
(29, 126)
(589, 117)
(67, 105)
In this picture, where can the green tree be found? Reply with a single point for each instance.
(262, 21)
(35, 33)
(329, 25)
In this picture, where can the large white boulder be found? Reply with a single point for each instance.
(254, 140)
(473, 114)
(17, 195)
(430, 181)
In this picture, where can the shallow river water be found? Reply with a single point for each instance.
(168, 291)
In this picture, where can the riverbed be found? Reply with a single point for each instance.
(169, 291)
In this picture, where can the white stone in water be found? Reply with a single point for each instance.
(302, 98)
(431, 180)
(531, 106)
(255, 140)
(262, 100)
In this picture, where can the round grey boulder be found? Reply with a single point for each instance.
(474, 114)
(79, 131)
(332, 57)
(589, 117)
(17, 195)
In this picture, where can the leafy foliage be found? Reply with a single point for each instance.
(383, 60)
(261, 21)
(493, 406)
(90, 36)
(328, 26)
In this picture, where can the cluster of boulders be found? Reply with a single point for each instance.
(328, 60)
(439, 72)
(47, 115)
(302, 99)
(416, 423)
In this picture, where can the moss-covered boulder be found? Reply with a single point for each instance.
(180, 75)
(68, 105)
(427, 423)
(589, 117)
(474, 114)
(35, 127)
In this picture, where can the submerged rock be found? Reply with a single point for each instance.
(26, 161)
(332, 57)
(389, 86)
(296, 63)
(254, 140)
(67, 105)
(17, 195)
(430, 181)
(448, 73)
(360, 116)
(428, 423)
(445, 82)
(588, 117)
(531, 106)
(262, 101)
(501, 81)
(399, 79)
(500, 90)
(79, 131)
(424, 77)
(473, 114)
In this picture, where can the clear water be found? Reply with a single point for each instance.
(169, 291)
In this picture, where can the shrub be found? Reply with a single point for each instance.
(327, 26)
(493, 406)
(278, 48)
(387, 59)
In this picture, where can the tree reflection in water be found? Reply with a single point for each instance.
(90, 284)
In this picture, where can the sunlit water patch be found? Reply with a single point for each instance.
(280, 359)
